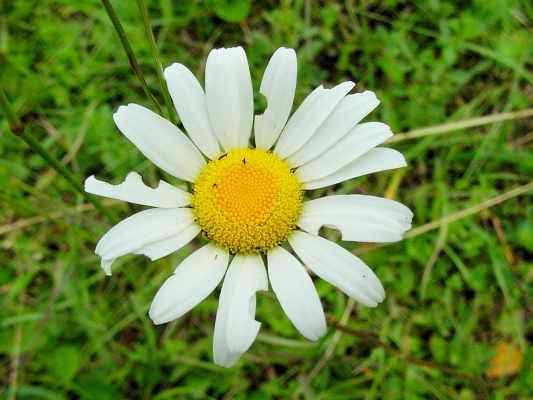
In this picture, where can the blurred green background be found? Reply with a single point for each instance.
(457, 296)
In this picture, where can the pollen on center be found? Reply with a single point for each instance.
(247, 200)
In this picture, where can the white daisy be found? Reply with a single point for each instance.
(248, 201)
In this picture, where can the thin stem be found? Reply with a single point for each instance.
(157, 60)
(305, 381)
(456, 216)
(129, 52)
(371, 337)
(455, 126)
(15, 365)
(281, 341)
(470, 210)
(18, 130)
(39, 219)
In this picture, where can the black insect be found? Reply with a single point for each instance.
(222, 156)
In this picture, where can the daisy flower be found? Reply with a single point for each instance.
(248, 200)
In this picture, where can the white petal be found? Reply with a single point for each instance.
(375, 160)
(160, 141)
(189, 100)
(229, 94)
(133, 190)
(309, 116)
(357, 142)
(278, 86)
(141, 233)
(296, 293)
(106, 265)
(339, 267)
(194, 279)
(359, 218)
(235, 325)
(352, 109)
(160, 249)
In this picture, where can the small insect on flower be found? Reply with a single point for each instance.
(249, 201)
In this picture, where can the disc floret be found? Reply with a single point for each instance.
(247, 200)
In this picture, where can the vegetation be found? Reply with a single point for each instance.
(456, 320)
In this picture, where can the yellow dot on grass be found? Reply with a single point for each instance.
(247, 200)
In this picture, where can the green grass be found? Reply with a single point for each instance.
(66, 331)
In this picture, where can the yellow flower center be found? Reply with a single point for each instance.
(247, 200)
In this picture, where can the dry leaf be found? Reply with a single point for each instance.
(507, 360)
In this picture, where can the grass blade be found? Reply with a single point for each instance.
(157, 60)
(19, 130)
(129, 52)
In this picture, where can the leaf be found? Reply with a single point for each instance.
(97, 384)
(524, 234)
(507, 360)
(36, 392)
(65, 362)
(230, 10)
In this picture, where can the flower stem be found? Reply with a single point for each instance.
(17, 128)
(157, 60)
(129, 52)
